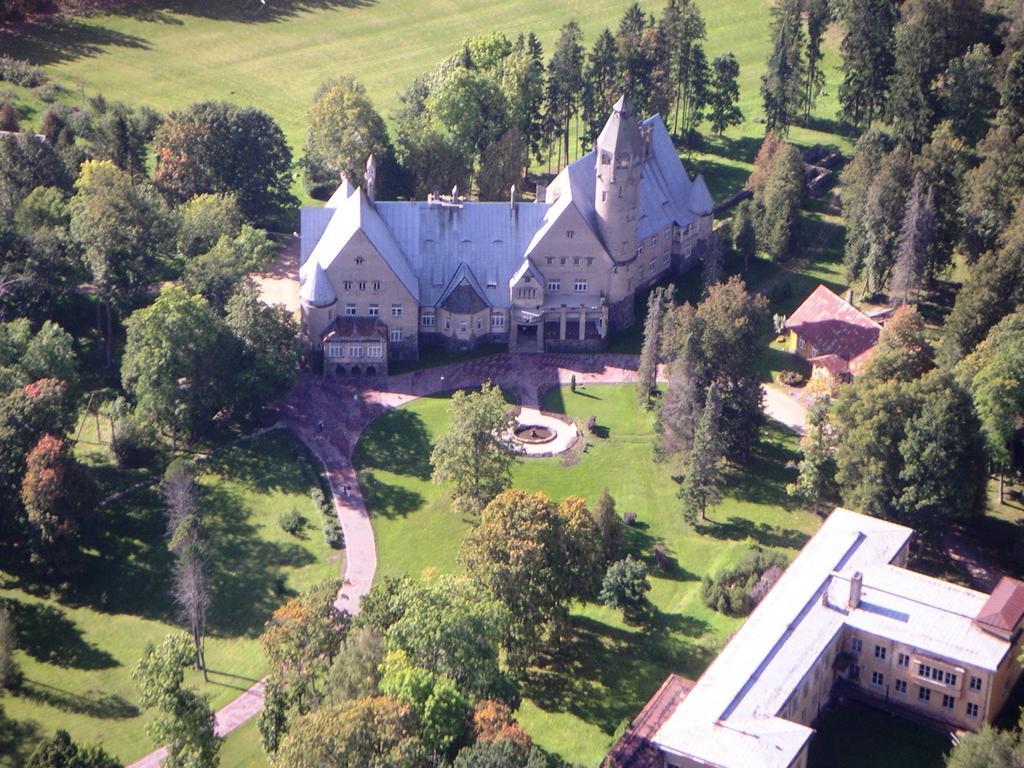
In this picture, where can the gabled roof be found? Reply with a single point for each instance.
(463, 294)
(1005, 606)
(634, 748)
(834, 364)
(833, 326)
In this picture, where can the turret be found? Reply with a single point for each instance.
(371, 178)
(620, 154)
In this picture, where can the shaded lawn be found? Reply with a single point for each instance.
(853, 736)
(605, 674)
(77, 653)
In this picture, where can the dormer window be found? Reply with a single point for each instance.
(605, 158)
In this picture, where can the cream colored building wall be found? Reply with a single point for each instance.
(354, 283)
(569, 251)
(478, 324)
(1003, 681)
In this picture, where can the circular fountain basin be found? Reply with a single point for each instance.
(534, 434)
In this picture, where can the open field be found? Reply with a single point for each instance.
(77, 653)
(171, 54)
(608, 670)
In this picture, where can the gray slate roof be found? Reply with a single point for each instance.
(464, 295)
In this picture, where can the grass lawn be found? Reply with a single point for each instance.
(575, 705)
(854, 736)
(77, 653)
(170, 54)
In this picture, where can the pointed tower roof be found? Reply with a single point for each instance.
(621, 134)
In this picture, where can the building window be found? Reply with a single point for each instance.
(350, 309)
(923, 670)
(562, 261)
(937, 674)
(975, 683)
(972, 710)
(527, 293)
(950, 679)
(554, 286)
(463, 326)
(428, 319)
(375, 350)
(376, 285)
(479, 323)
(580, 286)
(395, 334)
(570, 234)
(360, 259)
(856, 645)
(901, 686)
(355, 350)
(447, 323)
(334, 349)
(590, 261)
(948, 701)
(639, 251)
(576, 261)
(497, 320)
(396, 310)
(903, 660)
(880, 652)
(551, 260)
(374, 310)
(924, 694)
(855, 672)
(362, 285)
(877, 678)
(347, 284)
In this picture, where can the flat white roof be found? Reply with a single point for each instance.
(730, 716)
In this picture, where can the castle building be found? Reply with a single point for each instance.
(378, 279)
(847, 617)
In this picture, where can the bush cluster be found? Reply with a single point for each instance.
(737, 590)
(21, 73)
(792, 378)
(133, 445)
(292, 522)
(333, 534)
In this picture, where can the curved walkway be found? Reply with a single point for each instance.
(344, 412)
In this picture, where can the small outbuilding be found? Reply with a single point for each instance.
(835, 337)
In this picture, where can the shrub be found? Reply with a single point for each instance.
(8, 667)
(736, 591)
(661, 557)
(592, 424)
(8, 117)
(132, 445)
(21, 72)
(48, 92)
(316, 493)
(625, 586)
(792, 378)
(333, 534)
(292, 522)
(572, 382)
(630, 518)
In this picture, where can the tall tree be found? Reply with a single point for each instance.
(476, 453)
(183, 719)
(724, 94)
(782, 85)
(883, 217)
(647, 369)
(702, 475)
(818, 17)
(218, 147)
(779, 203)
(868, 59)
(600, 85)
(815, 486)
(902, 351)
(1011, 101)
(992, 189)
(565, 83)
(857, 178)
(913, 246)
(968, 94)
(124, 230)
(503, 165)
(609, 524)
(943, 163)
(743, 233)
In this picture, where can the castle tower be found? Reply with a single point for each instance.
(621, 151)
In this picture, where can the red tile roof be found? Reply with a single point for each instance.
(834, 364)
(1005, 606)
(834, 327)
(347, 327)
(634, 749)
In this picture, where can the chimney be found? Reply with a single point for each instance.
(849, 297)
(856, 585)
(371, 178)
(512, 197)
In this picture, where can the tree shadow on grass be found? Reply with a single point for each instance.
(741, 529)
(245, 570)
(272, 462)
(385, 500)
(18, 740)
(254, 11)
(743, 149)
(106, 706)
(399, 443)
(763, 480)
(47, 635)
(62, 40)
(604, 674)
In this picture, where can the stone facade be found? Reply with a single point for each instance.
(556, 274)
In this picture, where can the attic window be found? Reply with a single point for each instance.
(570, 234)
(360, 259)
(492, 283)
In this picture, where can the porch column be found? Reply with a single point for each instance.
(561, 324)
(583, 323)
(604, 321)
(540, 335)
(513, 332)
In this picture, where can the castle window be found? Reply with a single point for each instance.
(576, 261)
(554, 286)
(497, 320)
(948, 701)
(924, 694)
(395, 334)
(972, 710)
(901, 686)
(463, 327)
(590, 261)
(376, 285)
(396, 310)
(374, 310)
(375, 350)
(355, 350)
(877, 678)
(347, 284)
(903, 660)
(551, 260)
(880, 652)
(334, 349)
(362, 285)
(604, 195)
(350, 309)
(360, 259)
(580, 286)
(427, 319)
(447, 323)
(479, 323)
(570, 234)
(975, 683)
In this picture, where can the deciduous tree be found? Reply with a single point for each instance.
(816, 483)
(702, 473)
(724, 94)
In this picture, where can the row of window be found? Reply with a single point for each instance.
(923, 670)
(925, 694)
(361, 284)
(934, 673)
(497, 321)
(374, 310)
(576, 260)
(335, 350)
